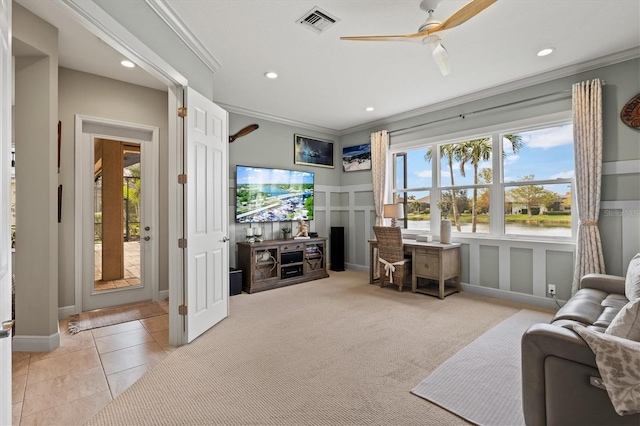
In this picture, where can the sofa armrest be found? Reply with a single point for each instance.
(603, 282)
(539, 342)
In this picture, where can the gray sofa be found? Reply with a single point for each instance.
(561, 384)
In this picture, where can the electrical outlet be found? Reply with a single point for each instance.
(551, 289)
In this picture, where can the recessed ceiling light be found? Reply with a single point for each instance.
(369, 109)
(271, 74)
(127, 64)
(547, 51)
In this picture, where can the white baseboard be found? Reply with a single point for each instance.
(163, 294)
(543, 302)
(354, 267)
(36, 343)
(65, 311)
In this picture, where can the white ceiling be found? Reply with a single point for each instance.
(326, 83)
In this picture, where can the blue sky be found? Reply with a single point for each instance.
(546, 153)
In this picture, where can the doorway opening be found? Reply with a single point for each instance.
(117, 181)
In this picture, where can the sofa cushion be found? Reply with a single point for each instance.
(584, 307)
(618, 362)
(627, 323)
(632, 281)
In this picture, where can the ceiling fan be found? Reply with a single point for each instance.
(425, 34)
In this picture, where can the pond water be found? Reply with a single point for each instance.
(511, 228)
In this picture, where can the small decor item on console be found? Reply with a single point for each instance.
(249, 236)
(286, 233)
(257, 233)
(303, 229)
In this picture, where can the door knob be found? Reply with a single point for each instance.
(225, 239)
(146, 228)
(147, 238)
(6, 329)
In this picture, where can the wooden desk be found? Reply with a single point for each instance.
(433, 261)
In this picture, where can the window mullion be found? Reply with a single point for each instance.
(435, 189)
(496, 195)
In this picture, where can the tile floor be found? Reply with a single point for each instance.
(71, 384)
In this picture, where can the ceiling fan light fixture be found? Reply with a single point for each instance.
(546, 51)
(271, 74)
(126, 63)
(441, 57)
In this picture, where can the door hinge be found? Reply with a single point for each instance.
(182, 112)
(182, 243)
(182, 178)
(182, 310)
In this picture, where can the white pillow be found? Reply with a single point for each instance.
(618, 362)
(626, 323)
(632, 282)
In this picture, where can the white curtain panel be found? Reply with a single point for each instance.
(379, 144)
(587, 139)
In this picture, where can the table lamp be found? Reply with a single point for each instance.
(393, 211)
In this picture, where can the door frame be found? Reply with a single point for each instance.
(6, 84)
(118, 130)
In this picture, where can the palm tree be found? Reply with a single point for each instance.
(477, 150)
(450, 152)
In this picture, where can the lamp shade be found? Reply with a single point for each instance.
(394, 211)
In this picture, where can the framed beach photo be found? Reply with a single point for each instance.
(356, 158)
(312, 151)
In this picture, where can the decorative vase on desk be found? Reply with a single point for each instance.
(445, 231)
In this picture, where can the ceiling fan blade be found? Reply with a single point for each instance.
(441, 57)
(244, 131)
(463, 14)
(407, 37)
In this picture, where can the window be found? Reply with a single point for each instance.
(512, 183)
(538, 171)
(412, 187)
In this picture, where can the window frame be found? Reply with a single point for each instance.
(498, 186)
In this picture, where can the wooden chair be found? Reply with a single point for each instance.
(394, 268)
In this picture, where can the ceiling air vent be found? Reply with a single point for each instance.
(317, 20)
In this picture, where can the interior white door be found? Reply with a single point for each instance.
(207, 252)
(5, 224)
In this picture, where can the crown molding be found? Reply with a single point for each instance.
(171, 18)
(545, 77)
(277, 119)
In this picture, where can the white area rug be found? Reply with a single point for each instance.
(482, 382)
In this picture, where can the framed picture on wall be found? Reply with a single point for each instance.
(356, 158)
(312, 151)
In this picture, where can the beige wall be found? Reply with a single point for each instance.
(36, 116)
(88, 94)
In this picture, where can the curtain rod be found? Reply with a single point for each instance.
(483, 110)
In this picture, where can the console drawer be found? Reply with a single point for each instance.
(291, 247)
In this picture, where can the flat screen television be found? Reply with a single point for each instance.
(273, 195)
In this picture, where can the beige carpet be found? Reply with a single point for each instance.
(336, 351)
(116, 315)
